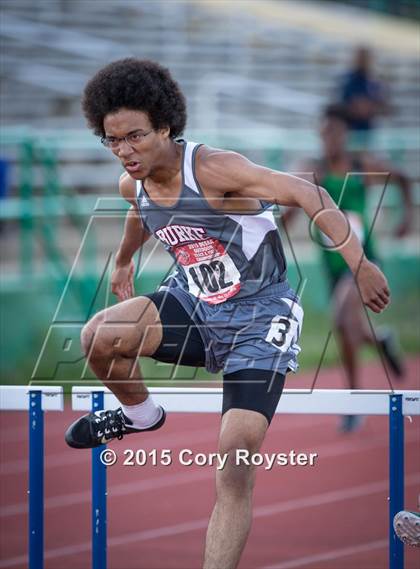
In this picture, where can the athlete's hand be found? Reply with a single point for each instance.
(373, 286)
(122, 281)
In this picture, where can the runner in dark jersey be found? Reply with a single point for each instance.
(227, 306)
(347, 177)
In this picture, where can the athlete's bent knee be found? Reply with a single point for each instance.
(96, 342)
(89, 332)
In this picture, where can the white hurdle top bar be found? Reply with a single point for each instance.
(16, 397)
(319, 401)
(209, 400)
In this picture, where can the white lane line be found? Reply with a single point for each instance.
(330, 555)
(164, 481)
(71, 457)
(85, 496)
(332, 496)
(259, 512)
(56, 427)
(356, 445)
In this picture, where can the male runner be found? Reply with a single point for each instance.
(347, 177)
(228, 306)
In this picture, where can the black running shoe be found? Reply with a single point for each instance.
(392, 356)
(101, 427)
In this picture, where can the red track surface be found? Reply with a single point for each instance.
(329, 516)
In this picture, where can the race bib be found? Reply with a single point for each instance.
(212, 274)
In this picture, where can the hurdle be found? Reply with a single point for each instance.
(395, 404)
(37, 399)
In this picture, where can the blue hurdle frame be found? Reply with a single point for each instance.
(99, 476)
(99, 493)
(36, 481)
(396, 478)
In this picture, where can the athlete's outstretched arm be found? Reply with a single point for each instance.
(122, 282)
(230, 173)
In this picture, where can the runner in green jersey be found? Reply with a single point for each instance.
(348, 177)
(349, 192)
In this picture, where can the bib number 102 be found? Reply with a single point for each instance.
(210, 277)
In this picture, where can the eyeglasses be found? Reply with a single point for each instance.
(132, 139)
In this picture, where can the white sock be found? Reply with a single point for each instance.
(143, 415)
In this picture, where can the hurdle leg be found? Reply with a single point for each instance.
(36, 481)
(396, 478)
(98, 497)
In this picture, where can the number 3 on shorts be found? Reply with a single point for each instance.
(285, 330)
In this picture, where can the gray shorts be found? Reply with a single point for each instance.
(256, 332)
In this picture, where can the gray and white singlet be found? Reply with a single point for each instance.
(230, 276)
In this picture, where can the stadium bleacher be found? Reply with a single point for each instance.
(255, 78)
(51, 48)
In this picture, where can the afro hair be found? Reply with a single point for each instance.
(139, 85)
